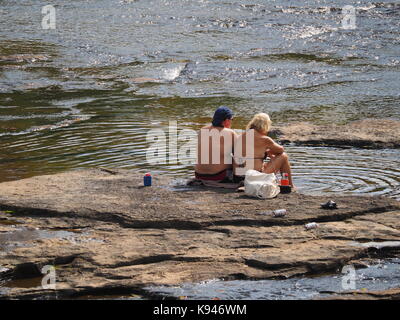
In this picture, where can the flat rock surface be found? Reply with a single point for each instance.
(390, 294)
(108, 235)
(369, 133)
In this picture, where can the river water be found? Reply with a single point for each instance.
(86, 93)
(378, 276)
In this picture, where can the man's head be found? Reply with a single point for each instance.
(222, 117)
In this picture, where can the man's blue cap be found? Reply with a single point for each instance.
(220, 115)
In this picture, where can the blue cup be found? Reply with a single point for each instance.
(147, 180)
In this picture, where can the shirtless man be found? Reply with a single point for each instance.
(252, 157)
(215, 147)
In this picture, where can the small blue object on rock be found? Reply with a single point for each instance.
(147, 180)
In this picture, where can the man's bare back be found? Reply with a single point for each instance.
(215, 147)
(216, 156)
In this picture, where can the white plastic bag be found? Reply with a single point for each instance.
(260, 185)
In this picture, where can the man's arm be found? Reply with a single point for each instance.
(234, 139)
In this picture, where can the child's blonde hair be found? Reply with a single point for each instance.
(260, 122)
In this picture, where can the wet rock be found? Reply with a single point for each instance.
(26, 270)
(369, 133)
(142, 80)
(18, 58)
(132, 237)
(391, 294)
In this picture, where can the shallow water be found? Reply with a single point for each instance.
(20, 237)
(87, 93)
(378, 275)
(382, 275)
(26, 237)
(355, 171)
